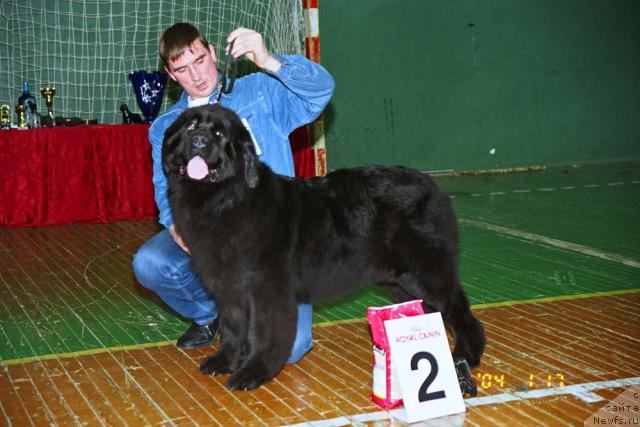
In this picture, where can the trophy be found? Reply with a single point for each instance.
(48, 93)
(148, 88)
(128, 117)
(5, 117)
(21, 120)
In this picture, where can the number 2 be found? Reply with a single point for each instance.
(423, 396)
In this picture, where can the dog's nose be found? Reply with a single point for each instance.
(198, 142)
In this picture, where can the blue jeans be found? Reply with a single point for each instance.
(161, 266)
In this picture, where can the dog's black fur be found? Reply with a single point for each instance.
(262, 243)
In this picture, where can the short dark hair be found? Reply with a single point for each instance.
(176, 39)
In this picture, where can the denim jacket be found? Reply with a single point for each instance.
(271, 105)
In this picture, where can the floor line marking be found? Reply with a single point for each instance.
(555, 299)
(509, 303)
(582, 391)
(585, 250)
(325, 324)
(80, 353)
(547, 189)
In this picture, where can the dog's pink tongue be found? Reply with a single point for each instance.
(197, 168)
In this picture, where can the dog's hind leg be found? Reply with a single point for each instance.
(271, 335)
(467, 331)
(399, 295)
(436, 282)
(468, 334)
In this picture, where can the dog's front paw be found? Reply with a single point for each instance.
(467, 385)
(248, 377)
(215, 364)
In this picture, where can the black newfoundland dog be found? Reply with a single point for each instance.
(262, 243)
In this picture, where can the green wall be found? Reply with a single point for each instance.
(438, 84)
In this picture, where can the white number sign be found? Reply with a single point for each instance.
(422, 359)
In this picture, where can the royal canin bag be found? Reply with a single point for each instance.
(386, 386)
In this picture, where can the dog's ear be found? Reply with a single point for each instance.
(169, 153)
(247, 150)
(250, 161)
(168, 149)
(171, 140)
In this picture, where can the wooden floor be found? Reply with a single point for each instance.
(554, 279)
(547, 363)
(579, 352)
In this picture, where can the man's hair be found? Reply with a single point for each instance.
(178, 38)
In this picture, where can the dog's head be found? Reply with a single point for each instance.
(209, 144)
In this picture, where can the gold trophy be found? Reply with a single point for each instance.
(5, 117)
(48, 93)
(21, 120)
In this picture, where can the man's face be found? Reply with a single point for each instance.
(195, 70)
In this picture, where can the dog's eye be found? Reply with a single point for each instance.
(217, 133)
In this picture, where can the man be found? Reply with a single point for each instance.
(289, 92)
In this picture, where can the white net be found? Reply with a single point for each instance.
(86, 48)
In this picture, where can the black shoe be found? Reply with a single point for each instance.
(198, 336)
(467, 386)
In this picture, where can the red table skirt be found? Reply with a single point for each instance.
(98, 173)
(91, 174)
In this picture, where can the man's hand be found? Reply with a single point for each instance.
(178, 239)
(250, 43)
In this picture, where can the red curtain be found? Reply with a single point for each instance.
(303, 156)
(88, 174)
(77, 174)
